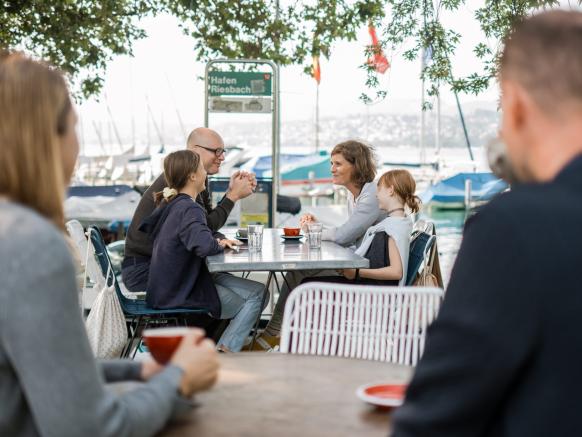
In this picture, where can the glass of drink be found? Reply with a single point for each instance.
(255, 235)
(314, 235)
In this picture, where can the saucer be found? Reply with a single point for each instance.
(382, 395)
(291, 237)
(238, 237)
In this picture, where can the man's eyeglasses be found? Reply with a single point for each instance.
(219, 151)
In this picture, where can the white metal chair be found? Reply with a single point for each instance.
(92, 268)
(359, 321)
(88, 263)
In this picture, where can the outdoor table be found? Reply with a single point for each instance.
(278, 255)
(290, 395)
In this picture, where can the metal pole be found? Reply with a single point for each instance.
(276, 131)
(422, 114)
(437, 139)
(276, 141)
(317, 119)
(206, 92)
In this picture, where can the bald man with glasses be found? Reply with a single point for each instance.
(138, 247)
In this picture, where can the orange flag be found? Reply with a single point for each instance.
(378, 61)
(316, 69)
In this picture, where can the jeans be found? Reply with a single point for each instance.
(241, 301)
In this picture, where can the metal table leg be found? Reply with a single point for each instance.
(267, 286)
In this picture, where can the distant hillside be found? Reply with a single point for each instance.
(380, 130)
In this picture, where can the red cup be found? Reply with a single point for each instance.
(163, 342)
(291, 232)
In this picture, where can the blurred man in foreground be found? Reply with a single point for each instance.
(504, 355)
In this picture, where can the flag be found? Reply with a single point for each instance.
(316, 69)
(378, 61)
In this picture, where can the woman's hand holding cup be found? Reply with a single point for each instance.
(198, 358)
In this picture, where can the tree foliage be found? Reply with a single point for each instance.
(416, 26)
(80, 36)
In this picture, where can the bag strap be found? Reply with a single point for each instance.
(89, 245)
(109, 269)
(428, 263)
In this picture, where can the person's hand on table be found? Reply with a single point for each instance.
(198, 358)
(348, 273)
(231, 244)
(240, 186)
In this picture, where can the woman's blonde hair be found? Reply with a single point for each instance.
(404, 187)
(34, 105)
(178, 166)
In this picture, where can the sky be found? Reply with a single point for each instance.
(165, 73)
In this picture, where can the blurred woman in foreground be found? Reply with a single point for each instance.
(50, 383)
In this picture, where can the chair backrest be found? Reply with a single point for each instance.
(88, 261)
(420, 247)
(425, 226)
(359, 321)
(102, 256)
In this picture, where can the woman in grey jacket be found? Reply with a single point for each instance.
(353, 167)
(50, 384)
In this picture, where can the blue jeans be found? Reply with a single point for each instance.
(241, 301)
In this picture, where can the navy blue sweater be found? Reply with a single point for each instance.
(178, 275)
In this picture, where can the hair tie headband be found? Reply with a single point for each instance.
(169, 192)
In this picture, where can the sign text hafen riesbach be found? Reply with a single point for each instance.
(225, 86)
(239, 83)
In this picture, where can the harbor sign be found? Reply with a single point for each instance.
(239, 83)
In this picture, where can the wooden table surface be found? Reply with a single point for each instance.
(290, 395)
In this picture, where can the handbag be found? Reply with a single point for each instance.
(426, 278)
(105, 325)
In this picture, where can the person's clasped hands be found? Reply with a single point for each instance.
(242, 184)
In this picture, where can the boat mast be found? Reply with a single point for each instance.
(467, 140)
(115, 131)
(437, 136)
(422, 111)
(317, 118)
(180, 121)
(160, 136)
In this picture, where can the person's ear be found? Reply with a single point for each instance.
(515, 103)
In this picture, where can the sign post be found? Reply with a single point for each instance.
(247, 92)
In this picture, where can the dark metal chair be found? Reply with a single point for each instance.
(420, 247)
(137, 312)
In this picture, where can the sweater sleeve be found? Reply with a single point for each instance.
(120, 370)
(43, 335)
(365, 214)
(215, 217)
(482, 338)
(196, 235)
